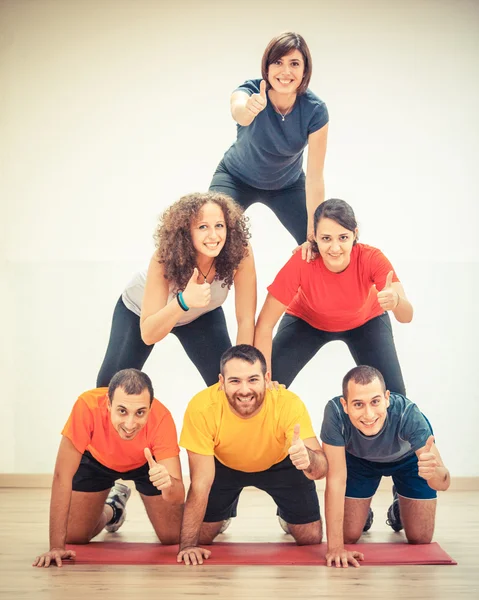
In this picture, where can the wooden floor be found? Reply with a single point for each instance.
(24, 534)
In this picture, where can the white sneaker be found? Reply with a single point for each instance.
(226, 524)
(117, 499)
(284, 525)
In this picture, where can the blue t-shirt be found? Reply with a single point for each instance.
(268, 154)
(404, 431)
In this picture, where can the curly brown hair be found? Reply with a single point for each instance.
(175, 248)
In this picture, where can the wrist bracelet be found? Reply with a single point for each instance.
(182, 302)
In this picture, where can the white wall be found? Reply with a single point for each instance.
(111, 110)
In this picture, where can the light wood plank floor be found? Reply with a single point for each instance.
(24, 534)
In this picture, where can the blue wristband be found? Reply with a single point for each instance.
(181, 302)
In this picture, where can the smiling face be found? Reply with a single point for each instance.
(245, 386)
(366, 406)
(286, 74)
(335, 244)
(208, 233)
(129, 413)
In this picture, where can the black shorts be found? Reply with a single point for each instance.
(295, 495)
(92, 476)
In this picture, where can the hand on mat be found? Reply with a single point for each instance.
(388, 298)
(427, 462)
(197, 295)
(340, 557)
(54, 556)
(193, 555)
(307, 252)
(257, 102)
(298, 453)
(275, 385)
(158, 474)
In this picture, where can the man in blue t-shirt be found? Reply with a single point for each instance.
(367, 433)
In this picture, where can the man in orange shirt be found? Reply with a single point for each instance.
(114, 433)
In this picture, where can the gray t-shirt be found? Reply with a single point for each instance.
(133, 298)
(268, 154)
(405, 430)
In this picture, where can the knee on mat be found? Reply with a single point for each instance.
(309, 541)
(206, 541)
(77, 539)
(351, 537)
(419, 539)
(170, 539)
(308, 538)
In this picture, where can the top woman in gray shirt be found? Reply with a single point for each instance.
(277, 116)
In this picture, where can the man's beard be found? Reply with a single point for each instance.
(249, 405)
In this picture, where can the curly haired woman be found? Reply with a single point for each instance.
(201, 251)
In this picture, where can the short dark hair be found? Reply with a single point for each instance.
(336, 210)
(363, 375)
(245, 352)
(281, 45)
(132, 382)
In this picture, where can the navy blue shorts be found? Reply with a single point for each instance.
(92, 476)
(364, 477)
(295, 495)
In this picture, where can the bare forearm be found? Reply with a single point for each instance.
(314, 197)
(318, 466)
(263, 341)
(176, 493)
(193, 515)
(241, 114)
(245, 334)
(158, 325)
(59, 511)
(404, 310)
(334, 511)
(441, 481)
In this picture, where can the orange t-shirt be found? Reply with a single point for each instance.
(89, 428)
(333, 301)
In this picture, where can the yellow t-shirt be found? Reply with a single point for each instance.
(210, 427)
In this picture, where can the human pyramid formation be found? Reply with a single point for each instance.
(332, 288)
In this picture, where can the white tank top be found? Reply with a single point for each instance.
(133, 298)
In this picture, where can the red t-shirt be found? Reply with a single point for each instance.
(89, 428)
(333, 301)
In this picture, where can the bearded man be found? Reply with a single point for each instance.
(243, 432)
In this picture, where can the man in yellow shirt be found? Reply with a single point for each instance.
(239, 433)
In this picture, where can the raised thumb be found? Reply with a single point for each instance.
(149, 458)
(296, 436)
(262, 88)
(429, 443)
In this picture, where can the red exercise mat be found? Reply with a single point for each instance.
(283, 553)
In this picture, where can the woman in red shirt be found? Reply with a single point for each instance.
(345, 293)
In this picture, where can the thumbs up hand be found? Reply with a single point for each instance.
(427, 462)
(257, 102)
(298, 453)
(158, 474)
(388, 298)
(197, 295)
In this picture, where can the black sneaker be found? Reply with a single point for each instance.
(394, 514)
(369, 521)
